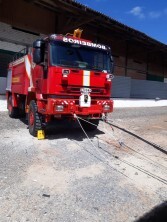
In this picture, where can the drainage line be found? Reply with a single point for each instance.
(140, 138)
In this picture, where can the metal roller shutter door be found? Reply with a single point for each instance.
(121, 87)
(148, 89)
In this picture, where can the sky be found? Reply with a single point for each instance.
(148, 16)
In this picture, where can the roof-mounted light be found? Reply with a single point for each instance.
(77, 33)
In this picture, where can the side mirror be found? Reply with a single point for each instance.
(38, 51)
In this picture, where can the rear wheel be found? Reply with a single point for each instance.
(91, 125)
(12, 111)
(34, 119)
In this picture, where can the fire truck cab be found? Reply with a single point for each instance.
(61, 77)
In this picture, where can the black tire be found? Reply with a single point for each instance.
(34, 119)
(88, 126)
(13, 112)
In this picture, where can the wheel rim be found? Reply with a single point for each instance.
(31, 118)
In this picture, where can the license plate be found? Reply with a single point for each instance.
(85, 90)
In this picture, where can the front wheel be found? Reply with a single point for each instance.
(34, 119)
(90, 125)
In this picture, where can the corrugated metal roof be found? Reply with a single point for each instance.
(120, 25)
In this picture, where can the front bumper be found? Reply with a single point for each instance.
(72, 107)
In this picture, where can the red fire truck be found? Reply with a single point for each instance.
(61, 77)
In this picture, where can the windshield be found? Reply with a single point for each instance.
(76, 56)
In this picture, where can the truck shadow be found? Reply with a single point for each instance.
(71, 130)
(64, 129)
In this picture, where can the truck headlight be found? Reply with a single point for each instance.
(109, 77)
(65, 72)
(59, 108)
(106, 107)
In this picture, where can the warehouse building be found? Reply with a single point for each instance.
(140, 61)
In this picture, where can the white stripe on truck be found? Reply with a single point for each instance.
(86, 78)
(28, 70)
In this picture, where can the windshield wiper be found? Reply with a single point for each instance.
(67, 65)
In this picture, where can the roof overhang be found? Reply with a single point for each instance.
(72, 15)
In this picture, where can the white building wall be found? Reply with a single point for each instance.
(11, 46)
(14, 40)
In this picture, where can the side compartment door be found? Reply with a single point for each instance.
(9, 80)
